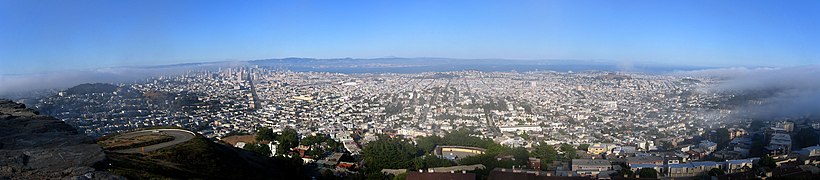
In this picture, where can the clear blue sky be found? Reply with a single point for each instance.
(43, 35)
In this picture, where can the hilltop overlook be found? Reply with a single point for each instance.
(34, 146)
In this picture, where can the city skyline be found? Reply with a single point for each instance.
(590, 124)
(80, 35)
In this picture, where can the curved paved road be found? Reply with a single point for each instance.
(180, 136)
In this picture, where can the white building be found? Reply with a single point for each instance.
(520, 128)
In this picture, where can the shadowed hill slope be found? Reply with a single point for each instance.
(42, 147)
(33, 146)
(201, 158)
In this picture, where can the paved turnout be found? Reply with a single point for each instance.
(180, 136)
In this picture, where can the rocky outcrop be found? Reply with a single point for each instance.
(33, 146)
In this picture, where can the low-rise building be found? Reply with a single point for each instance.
(590, 166)
(810, 155)
(810, 151)
(708, 146)
(523, 128)
(702, 168)
(644, 160)
(739, 165)
(779, 144)
(636, 167)
(680, 170)
(599, 148)
(412, 175)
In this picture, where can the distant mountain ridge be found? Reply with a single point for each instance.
(416, 65)
(453, 64)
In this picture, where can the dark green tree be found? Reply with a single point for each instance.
(758, 146)
(319, 139)
(401, 176)
(583, 147)
(320, 144)
(756, 125)
(546, 153)
(721, 136)
(629, 173)
(648, 173)
(312, 140)
(569, 152)
(460, 137)
(428, 143)
(390, 153)
(767, 161)
(521, 156)
(260, 149)
(423, 162)
(287, 139)
(377, 175)
(716, 172)
(327, 174)
(625, 172)
(265, 134)
(806, 137)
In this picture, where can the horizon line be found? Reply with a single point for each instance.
(602, 61)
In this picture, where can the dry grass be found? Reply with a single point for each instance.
(118, 143)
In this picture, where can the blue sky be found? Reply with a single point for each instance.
(41, 35)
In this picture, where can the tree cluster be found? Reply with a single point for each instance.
(548, 153)
(720, 136)
(584, 147)
(766, 161)
(265, 134)
(460, 137)
(285, 140)
(806, 137)
(319, 144)
(569, 152)
(716, 172)
(648, 173)
(389, 153)
(260, 149)
(423, 162)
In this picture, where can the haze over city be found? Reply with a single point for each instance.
(409, 89)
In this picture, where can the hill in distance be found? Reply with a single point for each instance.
(92, 88)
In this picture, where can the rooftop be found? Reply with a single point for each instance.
(440, 175)
(600, 162)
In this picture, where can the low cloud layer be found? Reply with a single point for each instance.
(725, 73)
(795, 92)
(14, 84)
